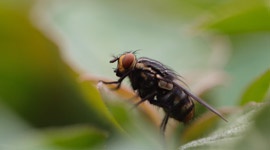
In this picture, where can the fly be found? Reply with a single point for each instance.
(158, 84)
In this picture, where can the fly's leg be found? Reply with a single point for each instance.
(118, 82)
(163, 100)
(163, 124)
(148, 97)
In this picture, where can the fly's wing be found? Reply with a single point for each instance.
(171, 76)
(163, 70)
(199, 100)
(159, 68)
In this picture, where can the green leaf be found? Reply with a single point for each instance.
(93, 98)
(258, 136)
(35, 81)
(249, 16)
(75, 137)
(205, 124)
(103, 29)
(257, 90)
(17, 134)
(228, 134)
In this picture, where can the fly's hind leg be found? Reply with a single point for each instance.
(164, 124)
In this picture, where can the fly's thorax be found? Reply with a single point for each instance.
(140, 66)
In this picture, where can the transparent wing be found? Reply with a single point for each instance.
(199, 100)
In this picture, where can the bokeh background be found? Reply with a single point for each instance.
(53, 52)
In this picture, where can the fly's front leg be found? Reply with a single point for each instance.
(118, 82)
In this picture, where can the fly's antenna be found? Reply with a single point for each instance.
(135, 51)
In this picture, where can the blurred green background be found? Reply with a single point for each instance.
(53, 52)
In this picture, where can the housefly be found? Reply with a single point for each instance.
(159, 85)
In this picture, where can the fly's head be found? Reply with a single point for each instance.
(125, 63)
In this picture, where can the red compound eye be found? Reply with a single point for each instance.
(128, 60)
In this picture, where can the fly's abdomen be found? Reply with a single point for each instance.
(183, 111)
(179, 105)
